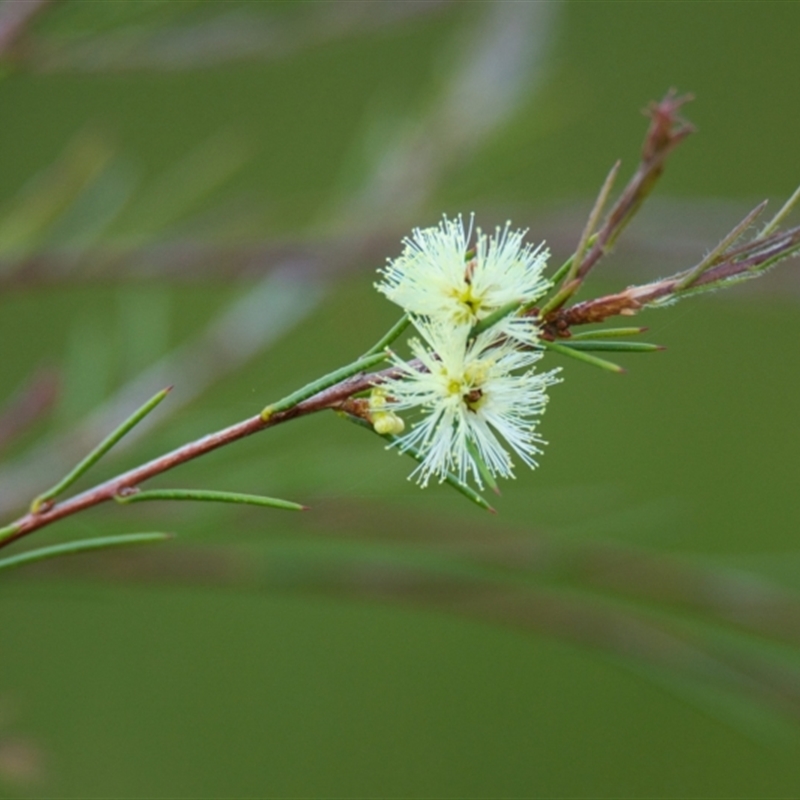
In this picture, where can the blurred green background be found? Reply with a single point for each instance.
(199, 193)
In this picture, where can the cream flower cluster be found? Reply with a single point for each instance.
(475, 397)
(439, 277)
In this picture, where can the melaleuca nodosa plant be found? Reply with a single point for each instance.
(482, 312)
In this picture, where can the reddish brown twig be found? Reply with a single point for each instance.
(667, 130)
(726, 264)
(748, 260)
(329, 398)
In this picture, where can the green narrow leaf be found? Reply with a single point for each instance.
(603, 332)
(100, 450)
(564, 269)
(585, 357)
(719, 251)
(784, 212)
(81, 546)
(559, 274)
(482, 468)
(325, 382)
(494, 318)
(591, 223)
(208, 496)
(7, 532)
(565, 292)
(393, 333)
(612, 347)
(732, 280)
(450, 479)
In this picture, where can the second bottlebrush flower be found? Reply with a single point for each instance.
(473, 399)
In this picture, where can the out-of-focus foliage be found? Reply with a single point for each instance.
(198, 194)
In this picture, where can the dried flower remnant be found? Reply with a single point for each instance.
(439, 276)
(473, 395)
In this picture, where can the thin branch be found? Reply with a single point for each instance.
(667, 130)
(98, 452)
(244, 327)
(747, 261)
(234, 35)
(721, 250)
(571, 282)
(123, 484)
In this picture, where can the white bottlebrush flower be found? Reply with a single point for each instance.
(474, 397)
(440, 276)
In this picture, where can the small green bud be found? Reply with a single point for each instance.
(387, 422)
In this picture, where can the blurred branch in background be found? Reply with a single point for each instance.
(724, 640)
(88, 210)
(67, 205)
(22, 759)
(497, 63)
(84, 216)
(15, 19)
(668, 234)
(263, 314)
(21, 762)
(31, 403)
(708, 633)
(86, 213)
(180, 36)
(497, 59)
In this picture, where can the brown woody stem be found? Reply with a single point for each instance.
(745, 261)
(332, 397)
(667, 130)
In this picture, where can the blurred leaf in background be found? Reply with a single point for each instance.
(199, 194)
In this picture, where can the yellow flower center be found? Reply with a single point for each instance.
(454, 386)
(470, 302)
(468, 387)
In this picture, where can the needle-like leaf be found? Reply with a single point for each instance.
(325, 382)
(81, 546)
(99, 451)
(450, 479)
(602, 333)
(784, 212)
(207, 496)
(585, 345)
(393, 333)
(718, 253)
(585, 357)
